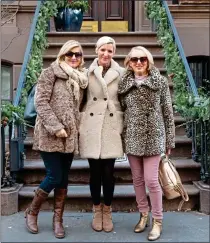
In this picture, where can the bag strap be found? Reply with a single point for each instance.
(179, 188)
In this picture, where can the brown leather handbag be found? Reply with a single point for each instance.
(170, 181)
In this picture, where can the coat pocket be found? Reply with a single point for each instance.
(117, 123)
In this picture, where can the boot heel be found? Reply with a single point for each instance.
(148, 222)
(25, 213)
(143, 223)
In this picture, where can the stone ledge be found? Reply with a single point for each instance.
(9, 199)
(204, 196)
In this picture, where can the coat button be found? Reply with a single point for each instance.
(94, 98)
(111, 114)
(91, 114)
(105, 99)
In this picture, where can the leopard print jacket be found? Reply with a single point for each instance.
(148, 115)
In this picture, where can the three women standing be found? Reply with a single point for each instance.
(148, 131)
(100, 131)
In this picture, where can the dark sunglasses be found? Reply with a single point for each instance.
(141, 59)
(71, 54)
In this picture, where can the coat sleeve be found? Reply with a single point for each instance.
(168, 117)
(121, 95)
(43, 93)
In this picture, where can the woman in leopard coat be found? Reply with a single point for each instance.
(148, 131)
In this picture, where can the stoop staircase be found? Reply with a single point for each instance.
(78, 191)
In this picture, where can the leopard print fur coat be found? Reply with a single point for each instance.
(148, 115)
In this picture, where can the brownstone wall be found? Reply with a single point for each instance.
(15, 33)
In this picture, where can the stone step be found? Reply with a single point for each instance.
(34, 171)
(183, 148)
(84, 37)
(121, 48)
(194, 2)
(78, 199)
(186, 12)
(190, 7)
(158, 60)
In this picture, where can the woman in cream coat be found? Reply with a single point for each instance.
(100, 130)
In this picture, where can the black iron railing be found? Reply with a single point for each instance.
(6, 177)
(197, 129)
(201, 147)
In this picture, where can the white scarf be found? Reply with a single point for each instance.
(77, 79)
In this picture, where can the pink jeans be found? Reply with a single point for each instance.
(145, 172)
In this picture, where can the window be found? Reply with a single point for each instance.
(6, 82)
(200, 68)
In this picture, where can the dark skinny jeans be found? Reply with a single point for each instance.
(57, 169)
(102, 173)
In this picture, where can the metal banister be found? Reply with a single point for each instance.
(181, 50)
(27, 55)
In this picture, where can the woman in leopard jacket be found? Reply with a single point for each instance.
(148, 131)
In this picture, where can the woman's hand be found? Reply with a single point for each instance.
(168, 152)
(61, 134)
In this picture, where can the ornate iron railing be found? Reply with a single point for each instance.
(198, 130)
(201, 147)
(12, 159)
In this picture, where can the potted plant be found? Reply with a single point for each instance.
(70, 14)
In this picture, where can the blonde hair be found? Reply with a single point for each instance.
(105, 40)
(66, 48)
(139, 48)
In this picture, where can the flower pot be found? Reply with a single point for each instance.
(68, 19)
(59, 19)
(73, 20)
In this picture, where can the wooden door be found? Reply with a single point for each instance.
(114, 15)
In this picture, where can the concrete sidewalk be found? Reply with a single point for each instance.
(178, 227)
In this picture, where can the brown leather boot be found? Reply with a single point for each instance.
(143, 223)
(155, 233)
(97, 217)
(31, 213)
(107, 219)
(59, 203)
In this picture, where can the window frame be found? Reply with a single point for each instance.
(204, 61)
(10, 66)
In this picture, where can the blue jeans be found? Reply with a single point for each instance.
(57, 169)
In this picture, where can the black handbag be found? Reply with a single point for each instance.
(30, 111)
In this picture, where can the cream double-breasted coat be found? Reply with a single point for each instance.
(101, 121)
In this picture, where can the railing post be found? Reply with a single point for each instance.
(3, 159)
(205, 155)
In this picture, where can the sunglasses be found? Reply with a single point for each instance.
(141, 59)
(71, 54)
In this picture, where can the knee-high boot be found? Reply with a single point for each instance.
(31, 213)
(59, 203)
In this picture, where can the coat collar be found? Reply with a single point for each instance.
(58, 71)
(112, 73)
(153, 81)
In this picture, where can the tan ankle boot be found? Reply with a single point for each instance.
(97, 217)
(107, 219)
(59, 203)
(143, 222)
(155, 233)
(31, 213)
